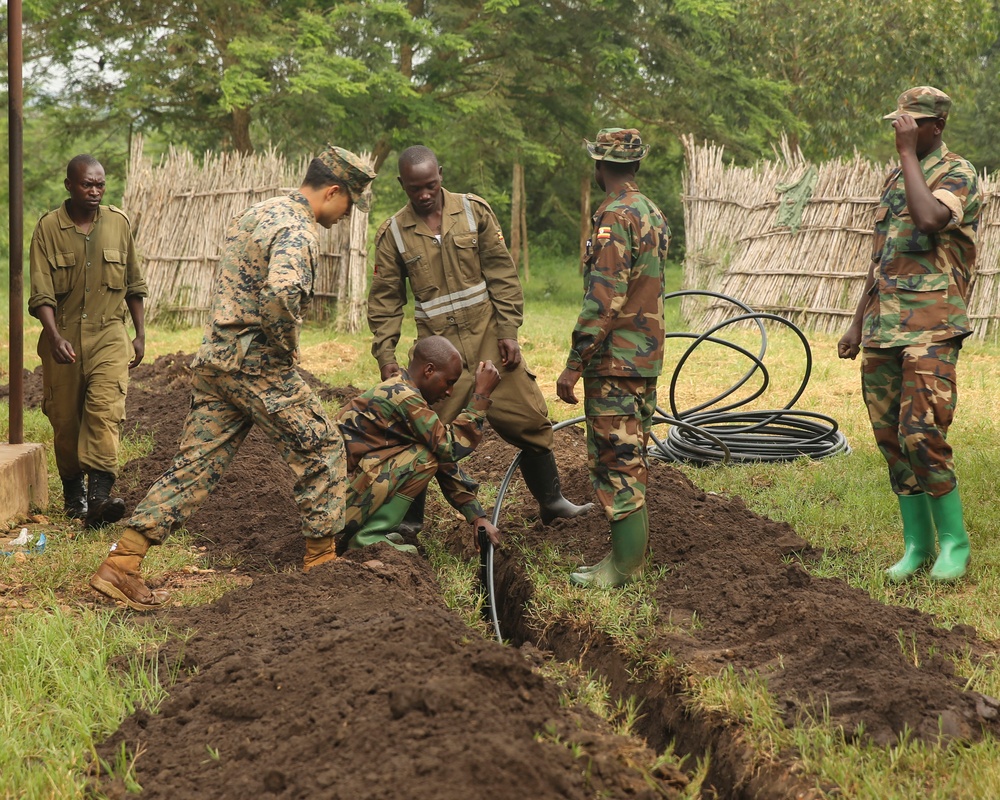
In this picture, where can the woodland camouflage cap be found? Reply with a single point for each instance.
(922, 102)
(352, 170)
(620, 145)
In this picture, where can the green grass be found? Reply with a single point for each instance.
(842, 505)
(64, 690)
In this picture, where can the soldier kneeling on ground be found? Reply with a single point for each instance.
(396, 443)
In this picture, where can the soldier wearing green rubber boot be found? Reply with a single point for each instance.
(617, 348)
(909, 326)
(396, 443)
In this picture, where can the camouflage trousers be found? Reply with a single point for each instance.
(911, 394)
(224, 407)
(376, 480)
(619, 415)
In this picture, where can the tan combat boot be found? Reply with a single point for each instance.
(118, 575)
(318, 551)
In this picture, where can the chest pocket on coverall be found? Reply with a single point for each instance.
(62, 269)
(419, 275)
(467, 252)
(114, 269)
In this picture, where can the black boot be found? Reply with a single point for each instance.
(413, 520)
(103, 509)
(542, 479)
(75, 497)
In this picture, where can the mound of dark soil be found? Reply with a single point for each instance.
(740, 576)
(355, 682)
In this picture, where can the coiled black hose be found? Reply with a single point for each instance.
(711, 433)
(700, 435)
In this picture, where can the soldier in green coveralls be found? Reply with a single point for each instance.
(617, 347)
(244, 374)
(86, 280)
(451, 252)
(909, 325)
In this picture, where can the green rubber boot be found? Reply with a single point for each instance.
(628, 551)
(953, 559)
(918, 536)
(602, 564)
(384, 521)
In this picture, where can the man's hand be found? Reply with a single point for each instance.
(906, 134)
(62, 350)
(491, 530)
(510, 353)
(388, 371)
(849, 345)
(565, 385)
(139, 346)
(487, 378)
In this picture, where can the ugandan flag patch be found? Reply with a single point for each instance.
(499, 234)
(604, 234)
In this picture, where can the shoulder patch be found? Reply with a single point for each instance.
(604, 233)
(382, 229)
(119, 211)
(477, 199)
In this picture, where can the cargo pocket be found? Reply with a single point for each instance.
(114, 268)
(295, 413)
(622, 405)
(118, 408)
(923, 301)
(62, 272)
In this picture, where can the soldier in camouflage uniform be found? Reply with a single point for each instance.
(450, 250)
(617, 347)
(909, 326)
(85, 273)
(244, 375)
(395, 444)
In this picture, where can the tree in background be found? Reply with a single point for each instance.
(495, 85)
(845, 64)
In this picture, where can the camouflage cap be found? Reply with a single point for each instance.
(922, 102)
(620, 145)
(352, 170)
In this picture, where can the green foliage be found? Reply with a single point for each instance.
(844, 67)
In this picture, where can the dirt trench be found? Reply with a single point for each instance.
(356, 682)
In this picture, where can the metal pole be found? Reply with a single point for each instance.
(15, 93)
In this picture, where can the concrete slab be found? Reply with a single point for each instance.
(24, 480)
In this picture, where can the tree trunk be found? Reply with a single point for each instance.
(381, 152)
(523, 223)
(241, 131)
(516, 199)
(586, 223)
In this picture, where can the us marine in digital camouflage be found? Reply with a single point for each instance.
(244, 375)
(909, 325)
(617, 347)
(396, 443)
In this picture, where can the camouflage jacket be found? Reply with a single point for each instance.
(264, 284)
(924, 280)
(85, 277)
(464, 287)
(620, 329)
(392, 417)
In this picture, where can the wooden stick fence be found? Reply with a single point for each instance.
(813, 277)
(181, 208)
